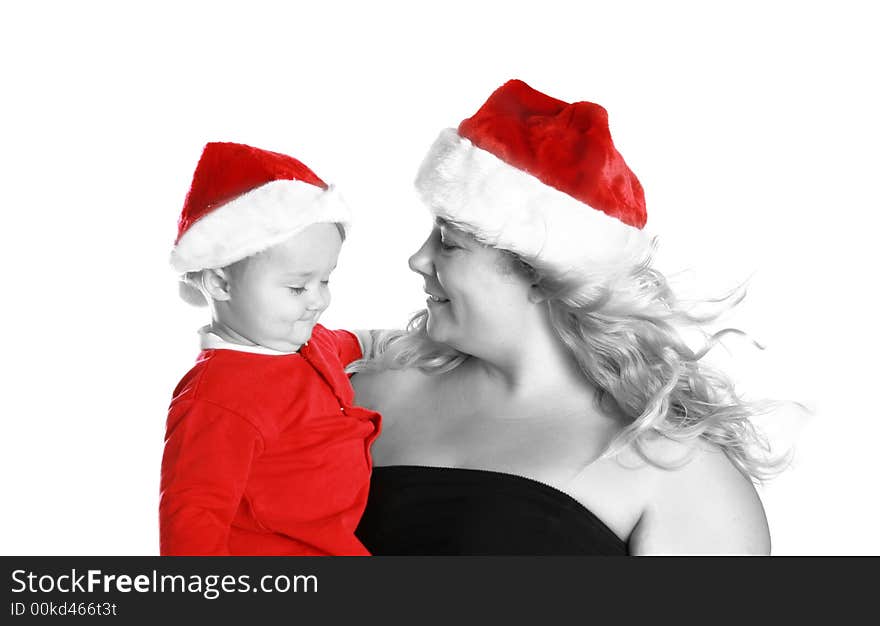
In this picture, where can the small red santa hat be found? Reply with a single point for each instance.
(539, 177)
(244, 200)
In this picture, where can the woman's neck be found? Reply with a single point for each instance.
(538, 364)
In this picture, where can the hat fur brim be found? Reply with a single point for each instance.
(255, 221)
(508, 208)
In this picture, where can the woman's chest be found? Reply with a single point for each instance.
(549, 442)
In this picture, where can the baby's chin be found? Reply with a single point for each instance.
(301, 333)
(284, 346)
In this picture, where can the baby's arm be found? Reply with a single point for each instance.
(205, 468)
(375, 342)
(367, 339)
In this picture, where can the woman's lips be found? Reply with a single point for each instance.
(435, 298)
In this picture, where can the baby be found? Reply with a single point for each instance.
(265, 453)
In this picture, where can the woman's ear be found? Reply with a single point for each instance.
(215, 282)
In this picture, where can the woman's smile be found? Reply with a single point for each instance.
(434, 296)
(432, 299)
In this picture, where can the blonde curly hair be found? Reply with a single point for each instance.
(624, 330)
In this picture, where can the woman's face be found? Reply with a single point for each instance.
(476, 302)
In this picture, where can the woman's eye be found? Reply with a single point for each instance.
(446, 246)
(297, 290)
(325, 282)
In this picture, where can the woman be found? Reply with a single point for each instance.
(545, 403)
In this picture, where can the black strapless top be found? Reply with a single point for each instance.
(416, 510)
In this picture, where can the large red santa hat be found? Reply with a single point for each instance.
(244, 200)
(539, 177)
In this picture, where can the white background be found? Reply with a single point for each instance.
(753, 129)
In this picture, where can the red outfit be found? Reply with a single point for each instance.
(266, 454)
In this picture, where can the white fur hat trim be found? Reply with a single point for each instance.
(508, 208)
(255, 221)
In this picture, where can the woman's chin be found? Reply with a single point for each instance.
(435, 332)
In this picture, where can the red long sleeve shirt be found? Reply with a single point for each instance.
(267, 454)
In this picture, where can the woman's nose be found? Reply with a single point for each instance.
(422, 261)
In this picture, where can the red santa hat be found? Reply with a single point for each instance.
(539, 177)
(244, 200)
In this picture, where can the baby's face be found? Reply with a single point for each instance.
(277, 296)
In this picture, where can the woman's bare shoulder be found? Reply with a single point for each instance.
(704, 506)
(376, 390)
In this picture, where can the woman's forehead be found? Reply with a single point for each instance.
(454, 229)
